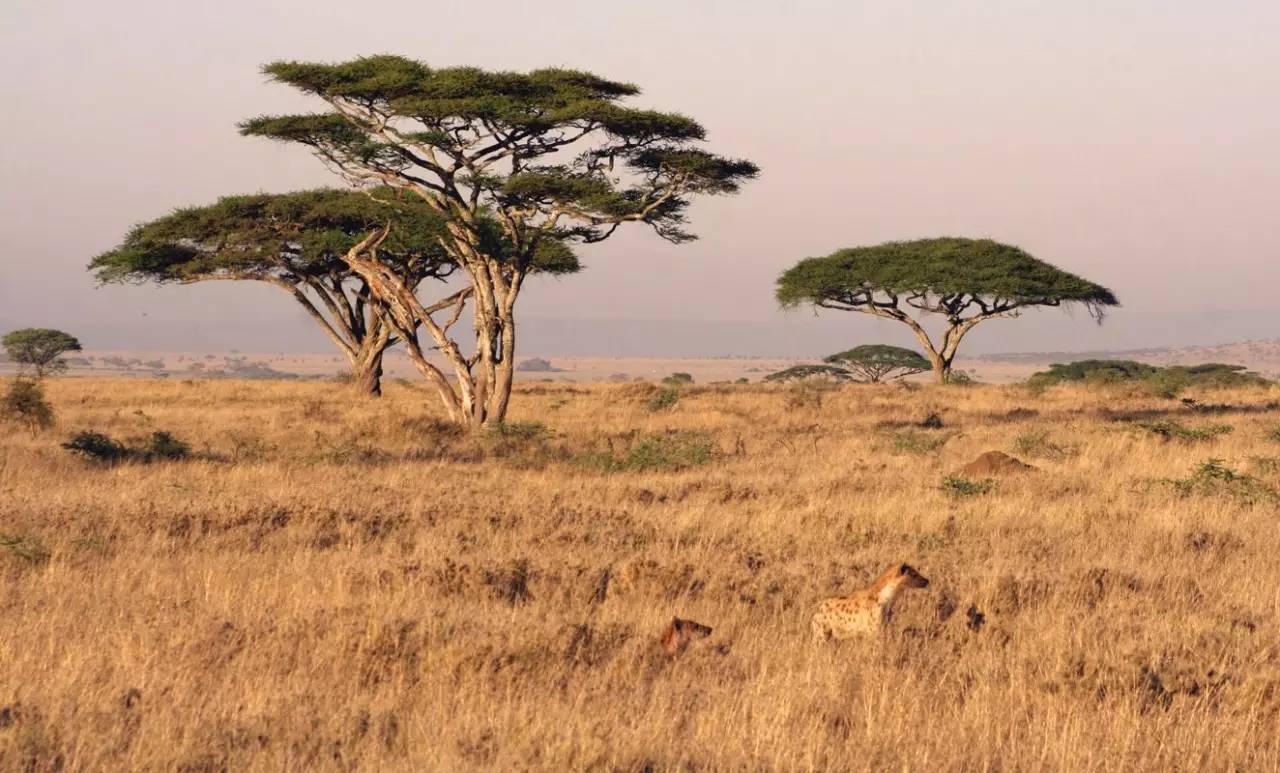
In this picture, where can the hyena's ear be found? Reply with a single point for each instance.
(904, 569)
(677, 624)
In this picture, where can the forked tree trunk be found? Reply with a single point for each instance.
(366, 377)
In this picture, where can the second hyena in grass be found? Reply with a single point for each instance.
(867, 610)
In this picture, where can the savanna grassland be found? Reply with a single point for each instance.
(325, 583)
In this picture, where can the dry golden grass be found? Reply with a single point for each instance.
(348, 585)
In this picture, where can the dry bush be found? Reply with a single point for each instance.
(334, 584)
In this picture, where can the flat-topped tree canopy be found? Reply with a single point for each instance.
(875, 361)
(946, 275)
(964, 280)
(553, 155)
(300, 241)
(478, 136)
(291, 237)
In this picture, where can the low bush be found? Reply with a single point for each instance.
(1172, 430)
(1166, 382)
(1214, 478)
(912, 441)
(1038, 444)
(24, 404)
(677, 379)
(804, 372)
(664, 399)
(667, 452)
(97, 447)
(959, 486)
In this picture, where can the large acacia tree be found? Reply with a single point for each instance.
(298, 242)
(964, 281)
(551, 155)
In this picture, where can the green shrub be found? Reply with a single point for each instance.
(809, 394)
(678, 379)
(1093, 371)
(519, 430)
(671, 451)
(1166, 382)
(664, 399)
(1265, 465)
(1037, 444)
(24, 404)
(96, 447)
(803, 372)
(912, 441)
(958, 486)
(25, 548)
(1172, 430)
(1215, 478)
(162, 445)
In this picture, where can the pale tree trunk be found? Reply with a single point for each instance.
(366, 365)
(480, 390)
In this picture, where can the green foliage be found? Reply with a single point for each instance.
(944, 268)
(664, 399)
(521, 165)
(27, 549)
(39, 349)
(1172, 430)
(668, 452)
(1037, 444)
(292, 237)
(960, 378)
(25, 404)
(97, 447)
(678, 379)
(809, 394)
(1094, 371)
(1172, 381)
(520, 431)
(958, 486)
(804, 372)
(1215, 478)
(874, 362)
(162, 445)
(912, 441)
(488, 116)
(1167, 382)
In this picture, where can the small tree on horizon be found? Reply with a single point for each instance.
(874, 362)
(551, 155)
(965, 281)
(39, 350)
(298, 242)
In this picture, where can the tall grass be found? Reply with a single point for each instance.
(436, 601)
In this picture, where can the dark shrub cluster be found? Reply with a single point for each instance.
(1166, 382)
(97, 447)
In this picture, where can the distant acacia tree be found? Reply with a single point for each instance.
(966, 281)
(550, 155)
(39, 350)
(873, 362)
(298, 242)
(806, 372)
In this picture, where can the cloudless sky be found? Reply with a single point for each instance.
(1135, 142)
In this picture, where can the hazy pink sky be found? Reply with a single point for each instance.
(1133, 142)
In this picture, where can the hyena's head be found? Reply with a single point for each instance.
(680, 633)
(911, 578)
